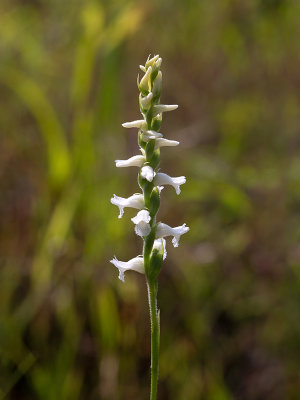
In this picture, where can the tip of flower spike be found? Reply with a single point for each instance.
(151, 61)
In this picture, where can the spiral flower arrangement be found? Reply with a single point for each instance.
(151, 183)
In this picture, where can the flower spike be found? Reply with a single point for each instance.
(147, 203)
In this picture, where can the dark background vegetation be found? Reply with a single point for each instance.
(230, 294)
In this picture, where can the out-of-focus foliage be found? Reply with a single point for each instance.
(230, 295)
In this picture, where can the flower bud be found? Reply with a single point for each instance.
(154, 201)
(144, 83)
(155, 159)
(150, 149)
(156, 87)
(145, 101)
(150, 63)
(156, 259)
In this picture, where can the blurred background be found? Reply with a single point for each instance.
(230, 294)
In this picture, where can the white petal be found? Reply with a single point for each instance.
(135, 264)
(159, 108)
(140, 124)
(135, 161)
(166, 230)
(142, 68)
(146, 101)
(158, 244)
(164, 179)
(141, 216)
(144, 83)
(158, 62)
(142, 229)
(147, 173)
(161, 142)
(134, 201)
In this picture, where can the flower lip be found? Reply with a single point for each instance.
(135, 264)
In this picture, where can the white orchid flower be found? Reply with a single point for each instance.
(164, 230)
(164, 179)
(135, 264)
(147, 173)
(161, 142)
(159, 108)
(139, 123)
(159, 244)
(141, 221)
(134, 201)
(135, 161)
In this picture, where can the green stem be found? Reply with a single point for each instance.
(154, 317)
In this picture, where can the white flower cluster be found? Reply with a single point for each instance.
(150, 180)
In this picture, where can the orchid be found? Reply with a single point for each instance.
(151, 182)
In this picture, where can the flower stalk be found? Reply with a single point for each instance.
(150, 140)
